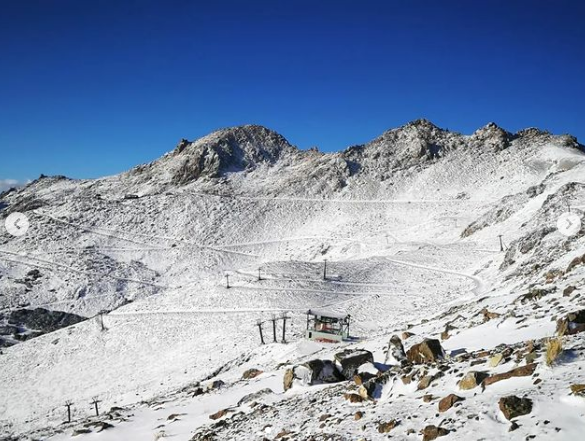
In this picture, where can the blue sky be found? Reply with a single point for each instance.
(91, 88)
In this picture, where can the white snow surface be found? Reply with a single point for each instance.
(389, 220)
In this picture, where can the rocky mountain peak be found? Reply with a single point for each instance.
(492, 136)
(421, 124)
(231, 149)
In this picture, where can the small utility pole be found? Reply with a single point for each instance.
(284, 319)
(68, 405)
(274, 327)
(101, 321)
(95, 402)
(259, 274)
(259, 324)
(325, 269)
(227, 281)
(501, 243)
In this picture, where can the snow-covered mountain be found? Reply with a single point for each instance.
(410, 224)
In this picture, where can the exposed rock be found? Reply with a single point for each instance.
(487, 315)
(350, 360)
(373, 388)
(578, 389)
(255, 396)
(424, 382)
(312, 372)
(175, 416)
(472, 379)
(219, 414)
(568, 290)
(535, 294)
(575, 262)
(288, 379)
(43, 320)
(214, 385)
(354, 398)
(522, 371)
(27, 203)
(446, 403)
(496, 360)
(572, 323)
(320, 371)
(362, 377)
(430, 350)
(387, 426)
(233, 149)
(251, 373)
(406, 335)
(102, 425)
(395, 353)
(513, 407)
(433, 432)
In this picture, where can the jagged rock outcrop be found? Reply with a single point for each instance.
(572, 323)
(429, 351)
(350, 360)
(513, 406)
(235, 149)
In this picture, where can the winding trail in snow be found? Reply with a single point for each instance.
(322, 200)
(479, 283)
(117, 234)
(41, 263)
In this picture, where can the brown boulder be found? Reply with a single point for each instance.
(472, 379)
(447, 403)
(387, 427)
(424, 382)
(433, 432)
(354, 398)
(522, 371)
(568, 290)
(430, 350)
(572, 323)
(362, 377)
(220, 413)
(513, 407)
(578, 389)
(289, 377)
(373, 388)
(487, 315)
(251, 373)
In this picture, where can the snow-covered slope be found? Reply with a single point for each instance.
(409, 224)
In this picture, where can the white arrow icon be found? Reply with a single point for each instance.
(569, 224)
(17, 224)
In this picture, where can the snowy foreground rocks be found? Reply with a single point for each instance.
(346, 364)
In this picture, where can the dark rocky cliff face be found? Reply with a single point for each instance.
(23, 324)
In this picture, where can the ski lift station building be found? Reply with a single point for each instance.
(327, 326)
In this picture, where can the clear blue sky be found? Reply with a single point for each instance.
(90, 88)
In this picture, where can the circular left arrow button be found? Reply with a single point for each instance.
(17, 224)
